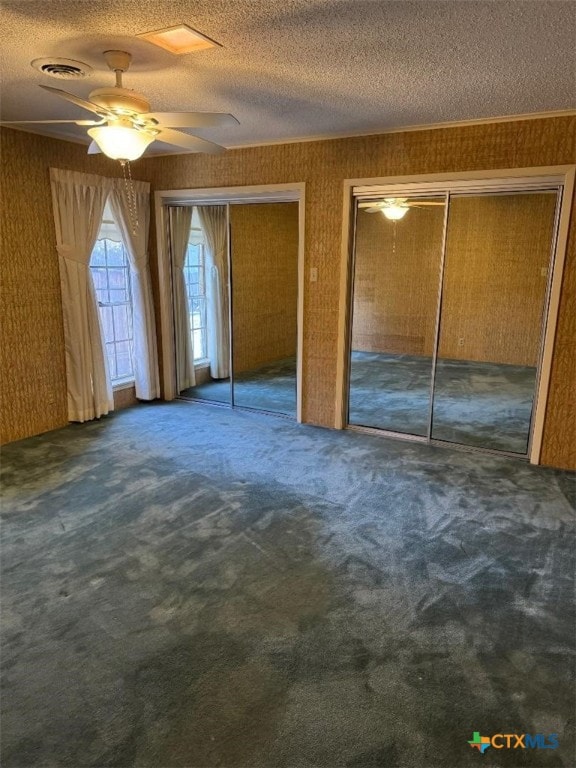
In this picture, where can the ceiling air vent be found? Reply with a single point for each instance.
(63, 69)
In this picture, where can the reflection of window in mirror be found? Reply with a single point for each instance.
(195, 279)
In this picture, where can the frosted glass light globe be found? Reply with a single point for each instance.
(120, 142)
(395, 212)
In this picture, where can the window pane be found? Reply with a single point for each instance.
(107, 324)
(192, 275)
(195, 289)
(98, 257)
(199, 315)
(99, 278)
(111, 361)
(118, 297)
(115, 252)
(192, 255)
(111, 275)
(123, 359)
(198, 345)
(122, 329)
(117, 277)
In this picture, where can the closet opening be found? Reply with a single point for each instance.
(452, 302)
(231, 276)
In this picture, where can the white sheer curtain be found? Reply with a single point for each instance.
(146, 375)
(78, 204)
(179, 222)
(214, 223)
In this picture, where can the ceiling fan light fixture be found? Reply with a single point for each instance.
(392, 212)
(119, 142)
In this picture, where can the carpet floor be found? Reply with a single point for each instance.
(484, 405)
(271, 387)
(185, 585)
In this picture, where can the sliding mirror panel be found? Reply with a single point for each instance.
(498, 253)
(264, 258)
(397, 264)
(200, 279)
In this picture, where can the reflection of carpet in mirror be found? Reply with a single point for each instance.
(481, 404)
(271, 387)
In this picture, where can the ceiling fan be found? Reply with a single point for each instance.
(395, 208)
(125, 127)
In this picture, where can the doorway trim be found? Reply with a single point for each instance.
(391, 186)
(264, 193)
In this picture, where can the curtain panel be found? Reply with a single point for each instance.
(78, 201)
(146, 376)
(179, 222)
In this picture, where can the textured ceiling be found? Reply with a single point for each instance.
(292, 69)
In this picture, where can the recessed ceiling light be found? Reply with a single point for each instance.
(179, 40)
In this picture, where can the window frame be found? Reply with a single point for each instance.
(200, 265)
(127, 381)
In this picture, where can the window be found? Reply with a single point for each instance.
(111, 273)
(195, 280)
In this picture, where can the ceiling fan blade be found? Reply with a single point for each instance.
(374, 210)
(94, 149)
(51, 122)
(422, 203)
(192, 119)
(75, 100)
(193, 143)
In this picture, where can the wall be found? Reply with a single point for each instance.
(33, 341)
(324, 164)
(396, 276)
(124, 398)
(32, 367)
(494, 287)
(264, 247)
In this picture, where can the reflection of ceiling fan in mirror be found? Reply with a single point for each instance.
(125, 126)
(395, 208)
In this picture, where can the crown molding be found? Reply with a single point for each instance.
(335, 135)
(412, 128)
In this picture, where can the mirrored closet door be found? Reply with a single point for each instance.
(449, 303)
(234, 274)
(264, 259)
(397, 261)
(498, 249)
(199, 251)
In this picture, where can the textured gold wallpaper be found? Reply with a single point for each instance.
(559, 449)
(495, 277)
(32, 367)
(396, 276)
(264, 247)
(323, 165)
(497, 254)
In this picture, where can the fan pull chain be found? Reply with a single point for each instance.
(130, 194)
(393, 238)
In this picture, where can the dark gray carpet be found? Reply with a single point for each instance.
(193, 586)
(272, 387)
(213, 391)
(485, 405)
